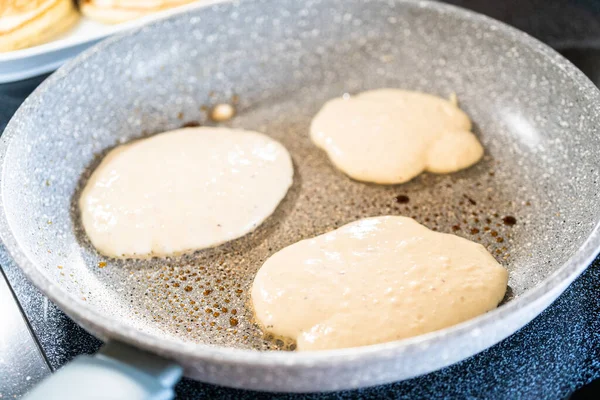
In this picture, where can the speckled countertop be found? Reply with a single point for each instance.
(549, 358)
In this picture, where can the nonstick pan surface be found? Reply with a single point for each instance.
(532, 201)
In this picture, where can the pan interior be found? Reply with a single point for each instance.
(279, 61)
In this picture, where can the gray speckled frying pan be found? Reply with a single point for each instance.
(278, 61)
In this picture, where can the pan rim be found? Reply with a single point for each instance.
(95, 321)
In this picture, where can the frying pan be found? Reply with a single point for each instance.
(278, 62)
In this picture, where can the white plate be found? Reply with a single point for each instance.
(33, 61)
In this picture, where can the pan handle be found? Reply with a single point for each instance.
(117, 372)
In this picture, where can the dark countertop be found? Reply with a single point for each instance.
(552, 356)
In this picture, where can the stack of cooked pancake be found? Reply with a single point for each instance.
(115, 11)
(25, 23)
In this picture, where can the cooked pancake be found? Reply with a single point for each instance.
(26, 23)
(116, 11)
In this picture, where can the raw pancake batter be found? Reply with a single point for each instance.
(183, 190)
(390, 136)
(372, 281)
